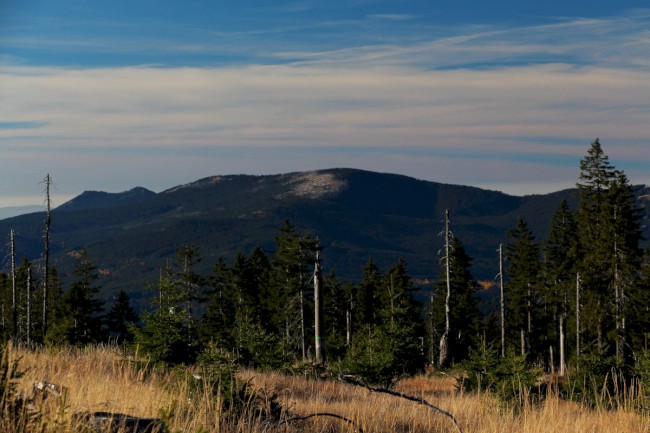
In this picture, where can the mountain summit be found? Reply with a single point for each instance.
(356, 214)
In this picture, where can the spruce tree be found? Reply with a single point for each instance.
(121, 318)
(79, 319)
(522, 253)
(219, 315)
(609, 234)
(559, 276)
(293, 264)
(595, 249)
(166, 333)
(366, 302)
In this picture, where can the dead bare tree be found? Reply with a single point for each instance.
(444, 340)
(28, 296)
(503, 303)
(318, 312)
(14, 306)
(578, 316)
(46, 251)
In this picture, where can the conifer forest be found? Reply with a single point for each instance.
(574, 306)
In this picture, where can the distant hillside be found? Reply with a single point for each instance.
(12, 211)
(356, 214)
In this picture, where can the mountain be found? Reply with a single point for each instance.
(101, 200)
(356, 214)
(12, 211)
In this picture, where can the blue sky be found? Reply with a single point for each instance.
(498, 94)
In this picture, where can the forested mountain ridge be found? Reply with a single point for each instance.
(356, 215)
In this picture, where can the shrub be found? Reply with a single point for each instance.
(511, 378)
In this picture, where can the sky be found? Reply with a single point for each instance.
(499, 94)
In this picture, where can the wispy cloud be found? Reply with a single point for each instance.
(392, 17)
(478, 105)
(26, 124)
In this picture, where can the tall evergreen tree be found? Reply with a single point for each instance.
(293, 264)
(394, 344)
(366, 302)
(337, 296)
(522, 253)
(609, 234)
(79, 319)
(166, 334)
(121, 318)
(596, 177)
(559, 275)
(189, 282)
(219, 315)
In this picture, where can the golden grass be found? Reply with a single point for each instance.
(101, 379)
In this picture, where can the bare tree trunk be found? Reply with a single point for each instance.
(551, 359)
(503, 304)
(618, 299)
(189, 293)
(578, 316)
(28, 334)
(348, 323)
(302, 325)
(522, 335)
(529, 307)
(318, 314)
(444, 340)
(432, 337)
(46, 252)
(562, 360)
(14, 306)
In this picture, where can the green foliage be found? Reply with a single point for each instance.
(373, 356)
(522, 255)
(260, 349)
(391, 344)
(78, 319)
(511, 378)
(166, 335)
(121, 318)
(217, 377)
(599, 381)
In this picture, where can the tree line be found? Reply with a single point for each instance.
(580, 293)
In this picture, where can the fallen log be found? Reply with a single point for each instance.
(108, 422)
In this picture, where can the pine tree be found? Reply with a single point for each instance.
(78, 319)
(336, 311)
(609, 237)
(366, 302)
(293, 264)
(121, 318)
(166, 334)
(559, 266)
(522, 253)
(595, 249)
(394, 344)
(189, 282)
(637, 310)
(219, 315)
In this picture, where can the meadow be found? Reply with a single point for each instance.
(104, 379)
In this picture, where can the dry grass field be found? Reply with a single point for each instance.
(101, 379)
